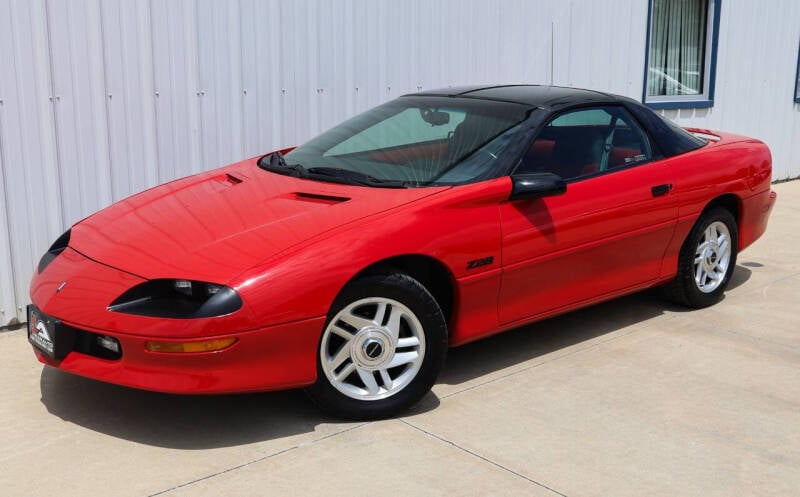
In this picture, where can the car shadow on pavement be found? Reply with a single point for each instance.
(176, 421)
(530, 341)
(194, 422)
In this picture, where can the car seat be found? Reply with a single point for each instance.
(578, 153)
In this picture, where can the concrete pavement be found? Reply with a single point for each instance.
(630, 397)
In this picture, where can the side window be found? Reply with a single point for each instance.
(588, 117)
(585, 142)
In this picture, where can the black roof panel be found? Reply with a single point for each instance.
(451, 91)
(534, 95)
(671, 139)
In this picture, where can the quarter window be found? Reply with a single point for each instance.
(681, 53)
(587, 142)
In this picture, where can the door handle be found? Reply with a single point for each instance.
(659, 190)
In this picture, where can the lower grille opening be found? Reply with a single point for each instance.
(89, 343)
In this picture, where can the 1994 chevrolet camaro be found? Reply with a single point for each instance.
(348, 265)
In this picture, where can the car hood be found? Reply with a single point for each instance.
(215, 225)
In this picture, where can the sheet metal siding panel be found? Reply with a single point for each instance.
(177, 88)
(7, 295)
(130, 90)
(7, 72)
(76, 52)
(261, 53)
(32, 210)
(146, 91)
(756, 64)
(219, 65)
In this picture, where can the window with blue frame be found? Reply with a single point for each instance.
(680, 61)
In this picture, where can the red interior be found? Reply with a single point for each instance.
(540, 155)
(409, 153)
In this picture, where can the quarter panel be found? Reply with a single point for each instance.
(732, 165)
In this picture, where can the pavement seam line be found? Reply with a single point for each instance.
(590, 347)
(227, 470)
(528, 368)
(762, 288)
(482, 458)
(759, 339)
(254, 461)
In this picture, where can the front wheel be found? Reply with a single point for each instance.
(706, 260)
(382, 348)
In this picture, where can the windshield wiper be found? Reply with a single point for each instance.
(275, 162)
(347, 176)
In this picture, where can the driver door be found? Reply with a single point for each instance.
(606, 235)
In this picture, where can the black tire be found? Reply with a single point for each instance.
(684, 289)
(415, 297)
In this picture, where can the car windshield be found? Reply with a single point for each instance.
(412, 141)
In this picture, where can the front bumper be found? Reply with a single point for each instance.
(273, 358)
(76, 291)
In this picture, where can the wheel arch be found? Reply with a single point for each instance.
(432, 273)
(684, 288)
(729, 201)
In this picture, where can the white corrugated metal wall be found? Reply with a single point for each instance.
(756, 70)
(102, 99)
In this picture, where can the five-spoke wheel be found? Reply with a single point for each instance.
(382, 347)
(707, 259)
(712, 257)
(372, 348)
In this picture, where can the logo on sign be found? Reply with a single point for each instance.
(42, 331)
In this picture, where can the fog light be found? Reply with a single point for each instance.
(109, 343)
(190, 347)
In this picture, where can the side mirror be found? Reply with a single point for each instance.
(536, 185)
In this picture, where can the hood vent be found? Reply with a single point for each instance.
(224, 181)
(320, 198)
(233, 180)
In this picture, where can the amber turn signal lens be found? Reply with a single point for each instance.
(190, 347)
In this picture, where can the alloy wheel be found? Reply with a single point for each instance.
(372, 349)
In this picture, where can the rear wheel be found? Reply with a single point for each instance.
(707, 260)
(382, 348)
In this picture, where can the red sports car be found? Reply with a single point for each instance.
(350, 264)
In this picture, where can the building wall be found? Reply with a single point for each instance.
(102, 99)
